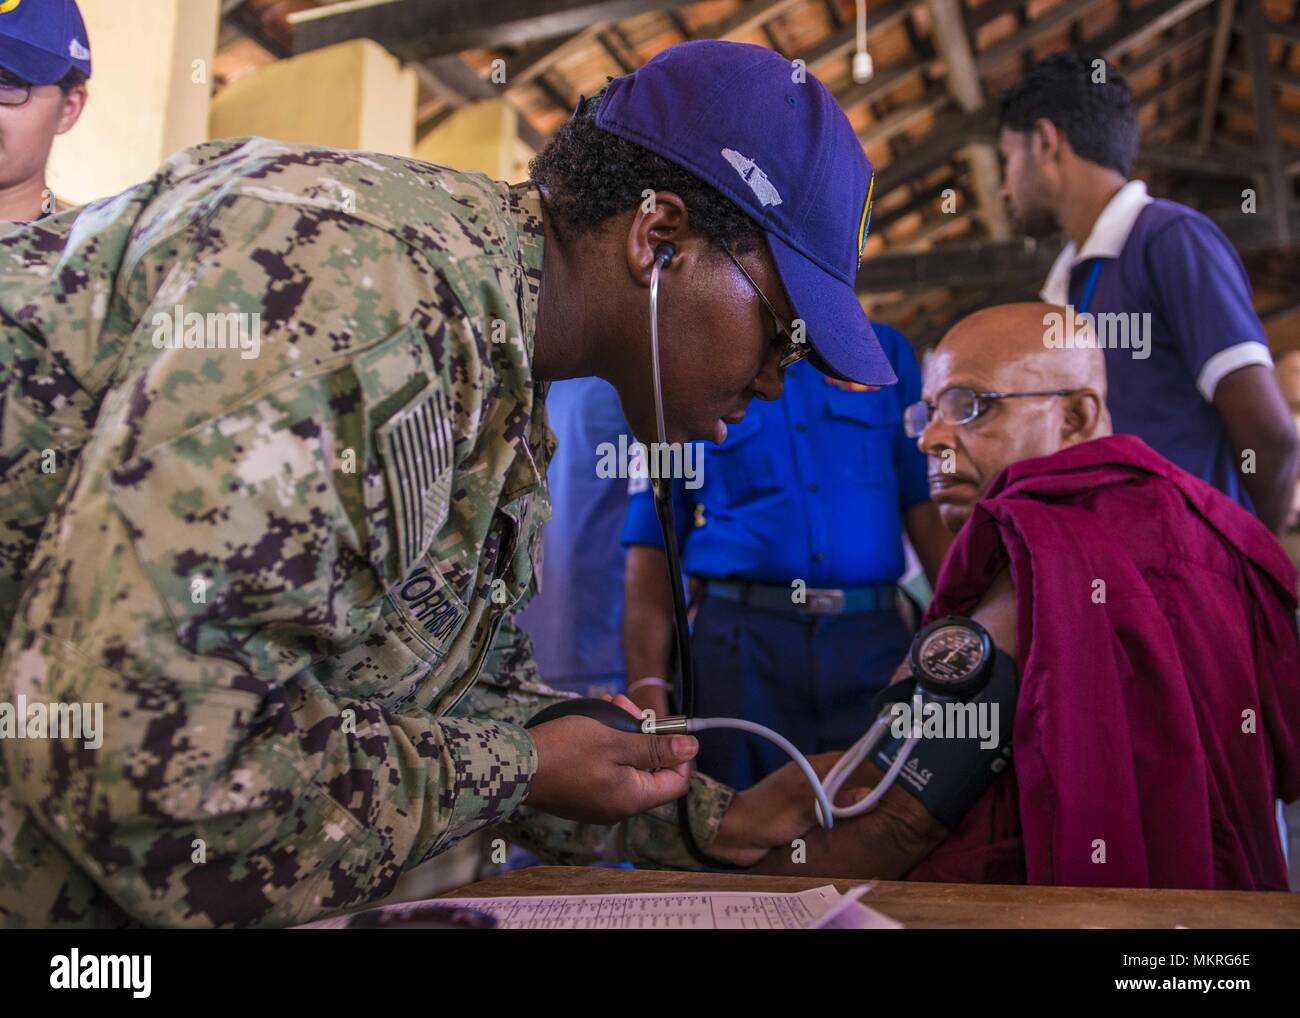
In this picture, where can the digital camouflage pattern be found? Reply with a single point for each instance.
(288, 577)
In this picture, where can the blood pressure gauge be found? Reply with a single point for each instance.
(952, 657)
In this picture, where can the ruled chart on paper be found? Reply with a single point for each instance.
(713, 911)
(819, 907)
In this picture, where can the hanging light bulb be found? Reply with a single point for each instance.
(863, 68)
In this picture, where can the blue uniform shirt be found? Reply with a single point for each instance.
(1175, 274)
(811, 486)
(575, 619)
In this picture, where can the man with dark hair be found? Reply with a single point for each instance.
(44, 66)
(1189, 364)
(274, 458)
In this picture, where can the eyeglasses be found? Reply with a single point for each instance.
(960, 405)
(13, 90)
(795, 349)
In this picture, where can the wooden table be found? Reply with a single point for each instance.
(925, 905)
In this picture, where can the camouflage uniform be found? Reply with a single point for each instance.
(288, 578)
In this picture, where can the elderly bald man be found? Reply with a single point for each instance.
(1150, 620)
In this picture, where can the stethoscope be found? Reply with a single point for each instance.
(616, 717)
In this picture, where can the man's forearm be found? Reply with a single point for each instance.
(1263, 433)
(883, 844)
(1272, 486)
(647, 624)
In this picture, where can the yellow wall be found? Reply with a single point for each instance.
(481, 136)
(152, 63)
(352, 95)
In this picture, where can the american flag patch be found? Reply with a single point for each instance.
(416, 447)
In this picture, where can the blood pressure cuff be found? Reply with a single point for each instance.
(963, 745)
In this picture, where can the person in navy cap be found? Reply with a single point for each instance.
(768, 205)
(364, 489)
(44, 66)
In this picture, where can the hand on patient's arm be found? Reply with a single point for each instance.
(884, 843)
(770, 815)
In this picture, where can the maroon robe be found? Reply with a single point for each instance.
(1159, 714)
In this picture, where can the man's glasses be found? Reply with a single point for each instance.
(13, 90)
(960, 405)
(795, 349)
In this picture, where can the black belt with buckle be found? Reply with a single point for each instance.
(808, 601)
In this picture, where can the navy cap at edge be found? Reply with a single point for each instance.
(41, 40)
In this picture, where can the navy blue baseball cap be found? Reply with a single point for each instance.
(772, 138)
(41, 40)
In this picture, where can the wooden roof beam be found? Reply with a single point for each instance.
(991, 11)
(1214, 76)
(997, 264)
(843, 40)
(456, 84)
(884, 81)
(883, 220)
(1276, 199)
(1281, 78)
(1190, 159)
(1055, 20)
(1246, 108)
(891, 124)
(1195, 29)
(748, 17)
(418, 29)
(1179, 80)
(1150, 19)
(953, 45)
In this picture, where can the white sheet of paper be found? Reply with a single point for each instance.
(717, 910)
(848, 913)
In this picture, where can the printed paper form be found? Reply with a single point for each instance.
(720, 910)
(716, 911)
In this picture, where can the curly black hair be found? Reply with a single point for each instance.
(589, 175)
(1099, 117)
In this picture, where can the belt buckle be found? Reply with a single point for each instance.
(825, 602)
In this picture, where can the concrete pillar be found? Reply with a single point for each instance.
(482, 136)
(353, 95)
